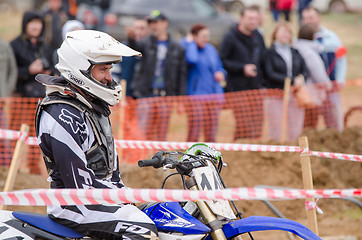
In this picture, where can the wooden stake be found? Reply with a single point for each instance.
(15, 161)
(284, 135)
(308, 182)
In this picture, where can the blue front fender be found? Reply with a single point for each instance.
(260, 223)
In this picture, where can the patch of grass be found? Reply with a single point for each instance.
(353, 213)
(347, 18)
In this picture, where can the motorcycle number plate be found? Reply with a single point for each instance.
(207, 179)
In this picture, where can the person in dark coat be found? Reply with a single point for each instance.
(283, 61)
(32, 56)
(241, 52)
(54, 19)
(161, 72)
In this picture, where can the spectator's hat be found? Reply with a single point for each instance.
(156, 15)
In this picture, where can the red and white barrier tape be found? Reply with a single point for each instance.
(17, 135)
(309, 205)
(23, 136)
(42, 197)
(160, 145)
(341, 156)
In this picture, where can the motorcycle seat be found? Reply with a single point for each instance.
(44, 222)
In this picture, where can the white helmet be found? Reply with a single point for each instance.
(80, 51)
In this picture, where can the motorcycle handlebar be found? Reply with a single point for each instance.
(148, 162)
(168, 160)
(156, 162)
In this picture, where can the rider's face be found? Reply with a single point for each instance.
(102, 73)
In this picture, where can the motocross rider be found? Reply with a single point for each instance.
(75, 135)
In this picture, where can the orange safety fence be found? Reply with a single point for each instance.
(355, 82)
(252, 114)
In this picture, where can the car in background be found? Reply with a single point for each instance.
(338, 6)
(181, 14)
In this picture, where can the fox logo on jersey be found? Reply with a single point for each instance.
(74, 121)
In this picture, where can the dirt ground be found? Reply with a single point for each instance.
(248, 169)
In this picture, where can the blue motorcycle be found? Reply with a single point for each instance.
(199, 168)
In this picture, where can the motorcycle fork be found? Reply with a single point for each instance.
(207, 215)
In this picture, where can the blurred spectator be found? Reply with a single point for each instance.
(54, 19)
(161, 72)
(205, 78)
(125, 69)
(302, 4)
(104, 6)
(281, 6)
(285, 7)
(241, 51)
(273, 9)
(281, 62)
(92, 12)
(71, 7)
(8, 69)
(8, 77)
(32, 55)
(261, 12)
(333, 56)
(317, 75)
(71, 25)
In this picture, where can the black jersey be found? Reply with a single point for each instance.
(68, 136)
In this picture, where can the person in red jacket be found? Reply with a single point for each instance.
(285, 7)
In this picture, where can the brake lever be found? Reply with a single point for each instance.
(168, 165)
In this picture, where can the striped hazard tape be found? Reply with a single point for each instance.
(163, 145)
(43, 197)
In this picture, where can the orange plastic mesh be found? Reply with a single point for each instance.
(254, 114)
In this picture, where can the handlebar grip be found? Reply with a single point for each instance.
(148, 162)
(157, 161)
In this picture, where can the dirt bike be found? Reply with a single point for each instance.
(207, 220)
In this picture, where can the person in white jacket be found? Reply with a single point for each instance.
(335, 66)
(318, 80)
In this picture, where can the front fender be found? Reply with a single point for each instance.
(261, 223)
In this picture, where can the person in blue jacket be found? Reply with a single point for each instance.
(205, 82)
